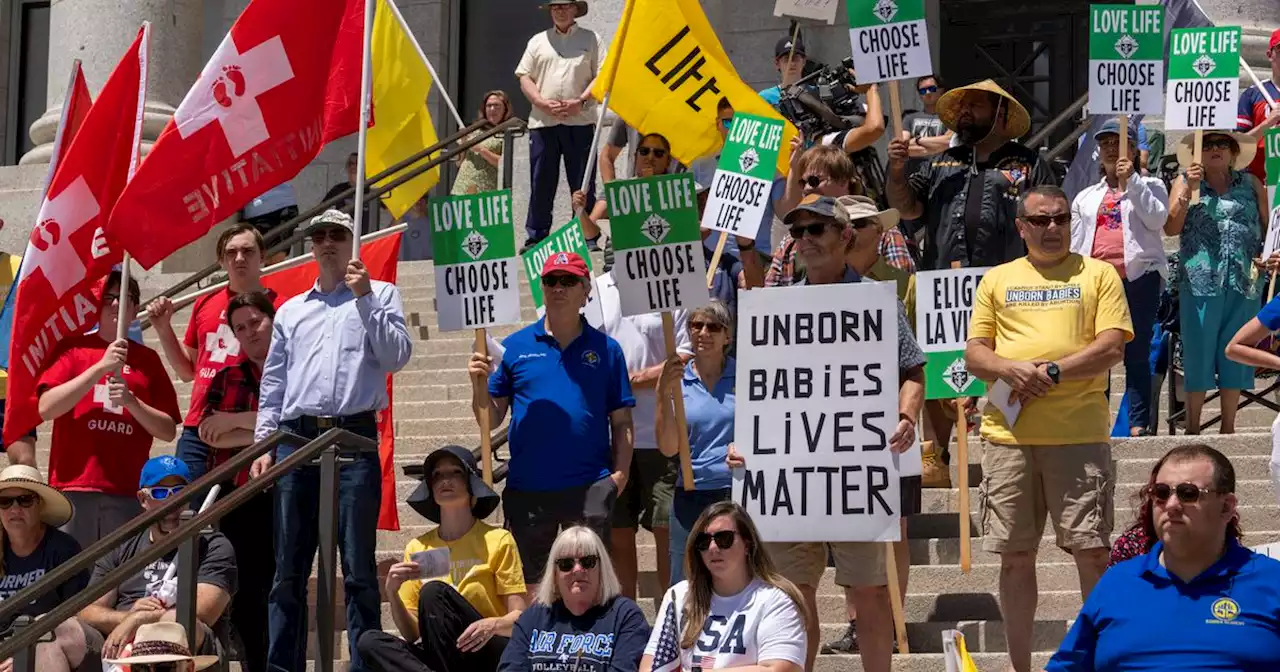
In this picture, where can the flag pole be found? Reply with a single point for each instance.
(430, 68)
(126, 266)
(366, 83)
(624, 27)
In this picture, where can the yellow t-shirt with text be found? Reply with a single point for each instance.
(1033, 313)
(484, 567)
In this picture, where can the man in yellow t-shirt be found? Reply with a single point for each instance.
(22, 451)
(1049, 326)
(460, 586)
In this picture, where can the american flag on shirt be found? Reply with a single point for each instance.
(703, 662)
(667, 656)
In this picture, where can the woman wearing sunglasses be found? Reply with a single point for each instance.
(734, 610)
(707, 385)
(580, 621)
(1219, 286)
(652, 157)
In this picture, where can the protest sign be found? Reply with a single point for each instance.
(817, 403)
(1204, 78)
(822, 10)
(568, 238)
(659, 244)
(944, 304)
(477, 275)
(1126, 59)
(890, 40)
(740, 189)
(1271, 144)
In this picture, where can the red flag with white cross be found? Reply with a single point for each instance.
(68, 252)
(284, 81)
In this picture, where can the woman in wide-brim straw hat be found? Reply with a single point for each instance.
(1219, 283)
(1010, 121)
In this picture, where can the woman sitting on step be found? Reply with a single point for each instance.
(460, 586)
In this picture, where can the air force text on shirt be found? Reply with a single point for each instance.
(570, 647)
(1046, 296)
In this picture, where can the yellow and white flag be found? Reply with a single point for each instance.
(956, 655)
(672, 73)
(402, 123)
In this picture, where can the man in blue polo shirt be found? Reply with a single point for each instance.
(1198, 601)
(569, 391)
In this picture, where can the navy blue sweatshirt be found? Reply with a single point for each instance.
(607, 638)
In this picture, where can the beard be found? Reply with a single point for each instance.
(974, 132)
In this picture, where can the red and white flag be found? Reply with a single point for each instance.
(68, 252)
(75, 107)
(284, 81)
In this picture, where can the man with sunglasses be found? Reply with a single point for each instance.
(109, 400)
(332, 348)
(144, 598)
(929, 136)
(1048, 326)
(569, 392)
(1198, 600)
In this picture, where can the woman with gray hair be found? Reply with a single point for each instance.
(579, 621)
(707, 385)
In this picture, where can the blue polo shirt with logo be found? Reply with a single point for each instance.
(560, 406)
(1141, 617)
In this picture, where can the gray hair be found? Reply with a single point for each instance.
(717, 312)
(576, 542)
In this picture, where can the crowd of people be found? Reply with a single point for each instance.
(594, 436)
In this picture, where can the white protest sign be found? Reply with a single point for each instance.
(817, 403)
(477, 271)
(821, 10)
(660, 266)
(890, 40)
(744, 177)
(1126, 59)
(1204, 79)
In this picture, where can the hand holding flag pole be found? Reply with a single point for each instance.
(366, 89)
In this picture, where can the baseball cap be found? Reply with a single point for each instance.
(1113, 126)
(824, 206)
(783, 47)
(159, 468)
(1275, 40)
(331, 219)
(565, 262)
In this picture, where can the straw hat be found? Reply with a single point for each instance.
(162, 643)
(57, 509)
(1248, 148)
(1019, 123)
(861, 207)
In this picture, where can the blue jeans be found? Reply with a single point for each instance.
(297, 505)
(547, 147)
(193, 452)
(685, 509)
(1143, 296)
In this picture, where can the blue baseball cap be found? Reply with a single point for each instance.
(159, 468)
(1112, 126)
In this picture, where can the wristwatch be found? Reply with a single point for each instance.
(1053, 371)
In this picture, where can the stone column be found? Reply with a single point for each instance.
(98, 32)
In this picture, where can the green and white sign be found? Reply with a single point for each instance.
(1204, 79)
(477, 275)
(890, 40)
(568, 238)
(1126, 59)
(656, 235)
(944, 304)
(1271, 144)
(740, 189)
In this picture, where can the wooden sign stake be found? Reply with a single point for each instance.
(682, 426)
(1196, 157)
(481, 386)
(895, 108)
(895, 599)
(962, 482)
(1124, 144)
(711, 270)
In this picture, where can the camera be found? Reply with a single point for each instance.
(823, 101)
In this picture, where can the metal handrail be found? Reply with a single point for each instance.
(1053, 124)
(498, 440)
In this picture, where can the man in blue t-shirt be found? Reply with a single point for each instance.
(569, 392)
(1216, 602)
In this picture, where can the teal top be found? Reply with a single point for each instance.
(1220, 240)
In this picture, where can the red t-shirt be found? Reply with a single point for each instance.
(97, 446)
(215, 344)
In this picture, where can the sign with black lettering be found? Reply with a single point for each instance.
(1204, 79)
(1126, 59)
(568, 238)
(817, 403)
(822, 10)
(477, 272)
(1271, 144)
(660, 266)
(944, 304)
(890, 40)
(740, 189)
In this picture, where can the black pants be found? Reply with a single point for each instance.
(443, 615)
(250, 530)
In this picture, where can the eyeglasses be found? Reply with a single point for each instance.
(1219, 142)
(926, 90)
(726, 123)
(698, 325)
(723, 538)
(447, 474)
(25, 501)
(334, 235)
(587, 562)
(814, 230)
(560, 280)
(160, 492)
(1187, 493)
(1043, 221)
(813, 181)
(658, 152)
(110, 298)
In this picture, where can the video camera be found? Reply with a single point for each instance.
(823, 101)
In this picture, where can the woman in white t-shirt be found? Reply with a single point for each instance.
(734, 610)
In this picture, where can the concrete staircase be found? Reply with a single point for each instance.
(433, 409)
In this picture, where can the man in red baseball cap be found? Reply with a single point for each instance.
(1256, 115)
(569, 392)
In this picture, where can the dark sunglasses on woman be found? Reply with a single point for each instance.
(723, 538)
(587, 562)
(698, 325)
(25, 501)
(658, 153)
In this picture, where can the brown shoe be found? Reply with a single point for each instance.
(935, 474)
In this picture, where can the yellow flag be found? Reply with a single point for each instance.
(402, 123)
(672, 73)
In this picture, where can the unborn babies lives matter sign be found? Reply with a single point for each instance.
(890, 39)
(656, 234)
(477, 272)
(1126, 59)
(817, 403)
(744, 177)
(1204, 79)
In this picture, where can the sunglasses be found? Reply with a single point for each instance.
(1043, 221)
(160, 492)
(334, 235)
(726, 123)
(560, 280)
(723, 538)
(1187, 493)
(813, 181)
(658, 152)
(587, 562)
(110, 298)
(25, 501)
(1219, 143)
(814, 230)
(926, 90)
(713, 327)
